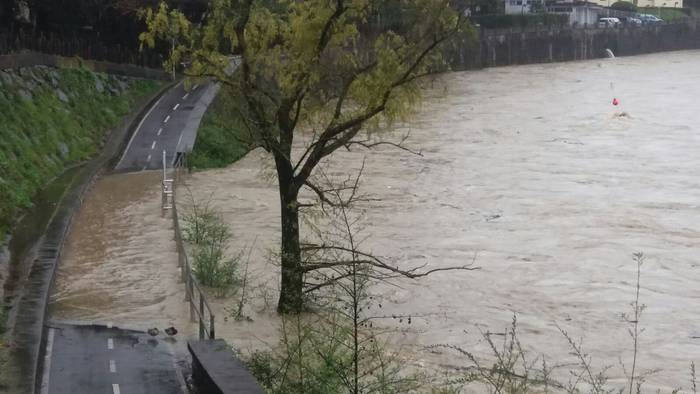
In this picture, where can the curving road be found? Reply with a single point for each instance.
(171, 125)
(94, 359)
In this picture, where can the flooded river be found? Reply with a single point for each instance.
(528, 169)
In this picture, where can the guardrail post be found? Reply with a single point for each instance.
(211, 326)
(191, 295)
(201, 316)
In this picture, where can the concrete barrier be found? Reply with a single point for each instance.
(216, 370)
(503, 47)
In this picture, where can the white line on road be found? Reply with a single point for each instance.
(112, 366)
(160, 130)
(139, 127)
(185, 96)
(148, 159)
(110, 324)
(153, 145)
(110, 344)
(179, 140)
(167, 118)
(115, 389)
(176, 107)
(195, 87)
(47, 362)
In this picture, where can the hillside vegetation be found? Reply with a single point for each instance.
(51, 119)
(221, 139)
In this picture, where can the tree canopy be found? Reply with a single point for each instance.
(321, 73)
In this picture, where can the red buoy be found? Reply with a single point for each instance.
(615, 102)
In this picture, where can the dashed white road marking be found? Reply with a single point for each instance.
(47, 362)
(160, 130)
(110, 344)
(112, 366)
(195, 87)
(148, 159)
(115, 389)
(167, 118)
(139, 126)
(176, 107)
(153, 145)
(185, 96)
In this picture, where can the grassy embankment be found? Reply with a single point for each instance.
(51, 119)
(221, 139)
(54, 125)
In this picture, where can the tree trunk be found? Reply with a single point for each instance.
(292, 283)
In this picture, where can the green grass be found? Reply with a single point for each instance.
(221, 139)
(40, 137)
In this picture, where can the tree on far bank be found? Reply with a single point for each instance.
(318, 71)
(624, 6)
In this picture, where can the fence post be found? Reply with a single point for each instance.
(211, 326)
(201, 317)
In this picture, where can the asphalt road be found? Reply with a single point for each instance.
(163, 128)
(101, 360)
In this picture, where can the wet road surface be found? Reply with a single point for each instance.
(98, 359)
(163, 128)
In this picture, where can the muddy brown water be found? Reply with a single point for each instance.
(119, 263)
(527, 168)
(530, 170)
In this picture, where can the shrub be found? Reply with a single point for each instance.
(209, 237)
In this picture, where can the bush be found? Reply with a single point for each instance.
(209, 236)
(221, 139)
(624, 6)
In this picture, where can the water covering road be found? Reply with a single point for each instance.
(529, 169)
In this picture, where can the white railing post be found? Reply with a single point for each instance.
(167, 195)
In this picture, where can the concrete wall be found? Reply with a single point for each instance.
(504, 47)
(28, 59)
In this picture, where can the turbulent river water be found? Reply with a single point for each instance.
(529, 171)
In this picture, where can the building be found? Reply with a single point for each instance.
(645, 3)
(580, 13)
(514, 7)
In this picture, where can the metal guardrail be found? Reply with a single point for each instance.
(200, 310)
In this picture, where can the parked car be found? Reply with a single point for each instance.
(630, 21)
(649, 19)
(608, 22)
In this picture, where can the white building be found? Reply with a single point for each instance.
(644, 3)
(521, 6)
(580, 13)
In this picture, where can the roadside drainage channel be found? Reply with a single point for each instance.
(28, 334)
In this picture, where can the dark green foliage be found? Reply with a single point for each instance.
(624, 6)
(520, 21)
(221, 139)
(41, 136)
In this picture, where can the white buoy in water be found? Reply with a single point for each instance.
(610, 53)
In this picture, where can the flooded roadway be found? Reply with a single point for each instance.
(528, 168)
(119, 263)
